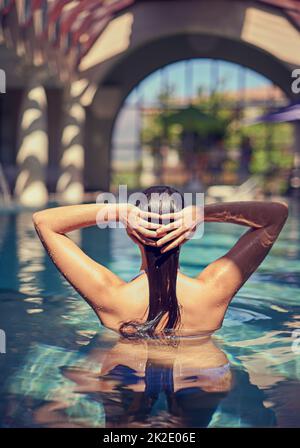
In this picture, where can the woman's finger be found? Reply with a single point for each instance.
(170, 236)
(146, 232)
(151, 215)
(176, 243)
(167, 227)
(148, 225)
(146, 241)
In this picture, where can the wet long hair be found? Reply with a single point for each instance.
(161, 272)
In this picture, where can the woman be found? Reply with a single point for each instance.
(161, 300)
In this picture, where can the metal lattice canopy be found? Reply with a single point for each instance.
(60, 33)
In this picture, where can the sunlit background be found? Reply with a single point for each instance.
(143, 92)
(150, 142)
(193, 93)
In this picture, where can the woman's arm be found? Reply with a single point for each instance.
(72, 217)
(227, 274)
(231, 271)
(254, 214)
(93, 281)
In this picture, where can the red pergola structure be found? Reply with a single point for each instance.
(61, 32)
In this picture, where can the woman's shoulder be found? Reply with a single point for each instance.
(194, 292)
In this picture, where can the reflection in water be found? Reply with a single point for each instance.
(30, 255)
(118, 383)
(164, 383)
(9, 263)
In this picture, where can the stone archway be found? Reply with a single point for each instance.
(159, 33)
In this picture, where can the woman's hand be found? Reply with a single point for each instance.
(181, 229)
(136, 224)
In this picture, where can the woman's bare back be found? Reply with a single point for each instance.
(200, 311)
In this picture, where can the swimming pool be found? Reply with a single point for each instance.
(55, 348)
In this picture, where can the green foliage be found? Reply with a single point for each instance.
(129, 178)
(207, 119)
(272, 146)
(214, 117)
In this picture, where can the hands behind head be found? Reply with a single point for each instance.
(165, 231)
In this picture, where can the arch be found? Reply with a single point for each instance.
(162, 52)
(204, 31)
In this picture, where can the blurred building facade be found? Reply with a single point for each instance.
(145, 151)
(69, 66)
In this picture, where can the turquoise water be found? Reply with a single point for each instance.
(56, 353)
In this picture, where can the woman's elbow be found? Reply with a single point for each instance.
(38, 219)
(281, 210)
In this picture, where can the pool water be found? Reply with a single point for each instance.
(62, 369)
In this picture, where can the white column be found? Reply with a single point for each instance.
(70, 184)
(32, 154)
